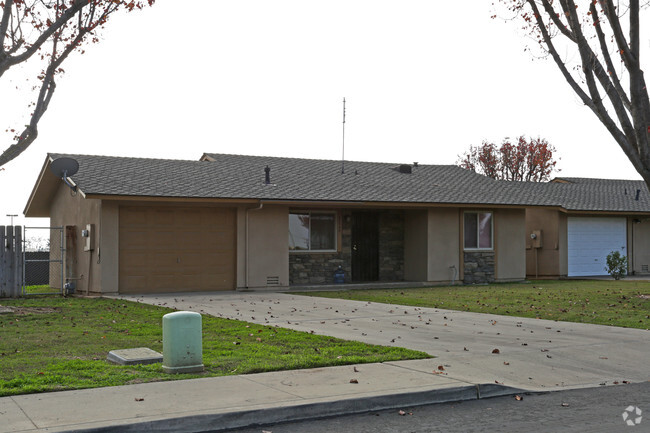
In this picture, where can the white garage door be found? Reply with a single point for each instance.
(591, 240)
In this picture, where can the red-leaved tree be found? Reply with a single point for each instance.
(523, 160)
(48, 31)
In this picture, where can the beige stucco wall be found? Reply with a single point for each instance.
(563, 244)
(640, 233)
(70, 209)
(267, 250)
(553, 234)
(510, 244)
(415, 245)
(443, 235)
(108, 247)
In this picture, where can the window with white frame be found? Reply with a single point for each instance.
(312, 231)
(478, 231)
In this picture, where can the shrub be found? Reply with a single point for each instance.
(616, 265)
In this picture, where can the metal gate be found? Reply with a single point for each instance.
(43, 259)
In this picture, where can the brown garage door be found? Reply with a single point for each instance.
(164, 249)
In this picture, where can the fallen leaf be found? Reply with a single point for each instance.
(496, 351)
(465, 349)
(565, 404)
(356, 370)
(354, 381)
(139, 399)
(402, 413)
(518, 398)
(506, 363)
(441, 368)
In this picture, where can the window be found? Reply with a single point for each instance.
(312, 231)
(478, 230)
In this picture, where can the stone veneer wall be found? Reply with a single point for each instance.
(391, 246)
(319, 268)
(479, 267)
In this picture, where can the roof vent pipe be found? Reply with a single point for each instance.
(638, 191)
(404, 168)
(267, 175)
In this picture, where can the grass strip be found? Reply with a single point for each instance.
(616, 303)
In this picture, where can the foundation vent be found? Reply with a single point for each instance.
(644, 268)
(272, 281)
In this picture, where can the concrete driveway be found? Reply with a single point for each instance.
(524, 353)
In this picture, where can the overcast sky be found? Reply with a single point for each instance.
(423, 81)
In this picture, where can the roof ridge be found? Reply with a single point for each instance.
(328, 160)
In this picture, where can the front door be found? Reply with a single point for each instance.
(365, 246)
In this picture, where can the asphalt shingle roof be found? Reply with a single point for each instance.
(586, 194)
(242, 177)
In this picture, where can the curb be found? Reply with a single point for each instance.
(300, 412)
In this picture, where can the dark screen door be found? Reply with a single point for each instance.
(365, 246)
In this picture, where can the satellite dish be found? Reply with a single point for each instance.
(63, 168)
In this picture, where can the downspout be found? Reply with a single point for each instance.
(261, 205)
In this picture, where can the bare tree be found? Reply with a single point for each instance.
(48, 31)
(605, 34)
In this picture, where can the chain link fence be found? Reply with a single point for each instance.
(43, 260)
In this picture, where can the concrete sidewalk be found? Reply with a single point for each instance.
(213, 404)
(533, 355)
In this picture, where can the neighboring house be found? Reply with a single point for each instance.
(227, 222)
(593, 217)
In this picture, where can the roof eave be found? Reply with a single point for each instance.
(39, 201)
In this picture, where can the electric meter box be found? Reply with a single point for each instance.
(89, 236)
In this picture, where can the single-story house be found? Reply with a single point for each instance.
(593, 218)
(226, 222)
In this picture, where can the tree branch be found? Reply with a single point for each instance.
(621, 43)
(10, 61)
(588, 58)
(608, 59)
(4, 23)
(29, 134)
(554, 16)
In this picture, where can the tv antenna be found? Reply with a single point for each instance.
(63, 168)
(343, 154)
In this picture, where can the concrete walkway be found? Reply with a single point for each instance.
(535, 355)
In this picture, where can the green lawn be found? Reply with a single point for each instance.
(41, 289)
(617, 303)
(54, 343)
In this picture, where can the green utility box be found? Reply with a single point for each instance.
(182, 342)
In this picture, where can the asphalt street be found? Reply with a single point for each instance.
(579, 410)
